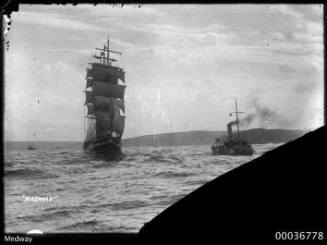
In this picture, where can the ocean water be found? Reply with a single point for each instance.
(58, 189)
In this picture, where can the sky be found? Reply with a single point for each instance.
(184, 66)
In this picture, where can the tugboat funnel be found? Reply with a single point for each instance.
(230, 130)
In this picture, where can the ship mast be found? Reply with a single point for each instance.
(108, 53)
(105, 54)
(237, 121)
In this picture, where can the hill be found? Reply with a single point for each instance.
(254, 136)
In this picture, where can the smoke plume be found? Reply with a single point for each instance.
(261, 115)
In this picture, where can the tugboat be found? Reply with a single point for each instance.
(105, 89)
(234, 145)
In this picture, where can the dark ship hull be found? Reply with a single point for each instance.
(237, 150)
(109, 147)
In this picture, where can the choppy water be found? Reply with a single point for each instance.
(92, 195)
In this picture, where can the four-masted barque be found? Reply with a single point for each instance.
(105, 117)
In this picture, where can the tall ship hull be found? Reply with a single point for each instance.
(107, 147)
(105, 117)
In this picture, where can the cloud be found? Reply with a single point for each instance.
(308, 20)
(285, 9)
(129, 11)
(82, 51)
(42, 94)
(184, 64)
(52, 20)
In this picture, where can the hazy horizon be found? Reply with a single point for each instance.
(184, 66)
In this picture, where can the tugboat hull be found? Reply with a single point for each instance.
(233, 151)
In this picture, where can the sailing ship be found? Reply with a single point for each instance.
(31, 148)
(105, 117)
(234, 145)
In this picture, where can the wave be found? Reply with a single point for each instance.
(29, 172)
(59, 209)
(164, 201)
(80, 225)
(95, 225)
(162, 158)
(123, 205)
(130, 159)
(47, 216)
(77, 160)
(197, 182)
(172, 174)
(176, 159)
(103, 164)
(155, 158)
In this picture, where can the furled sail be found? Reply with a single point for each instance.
(89, 97)
(89, 82)
(90, 109)
(118, 120)
(120, 104)
(121, 75)
(107, 73)
(108, 90)
(89, 72)
(102, 124)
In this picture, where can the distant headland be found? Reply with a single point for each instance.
(254, 136)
